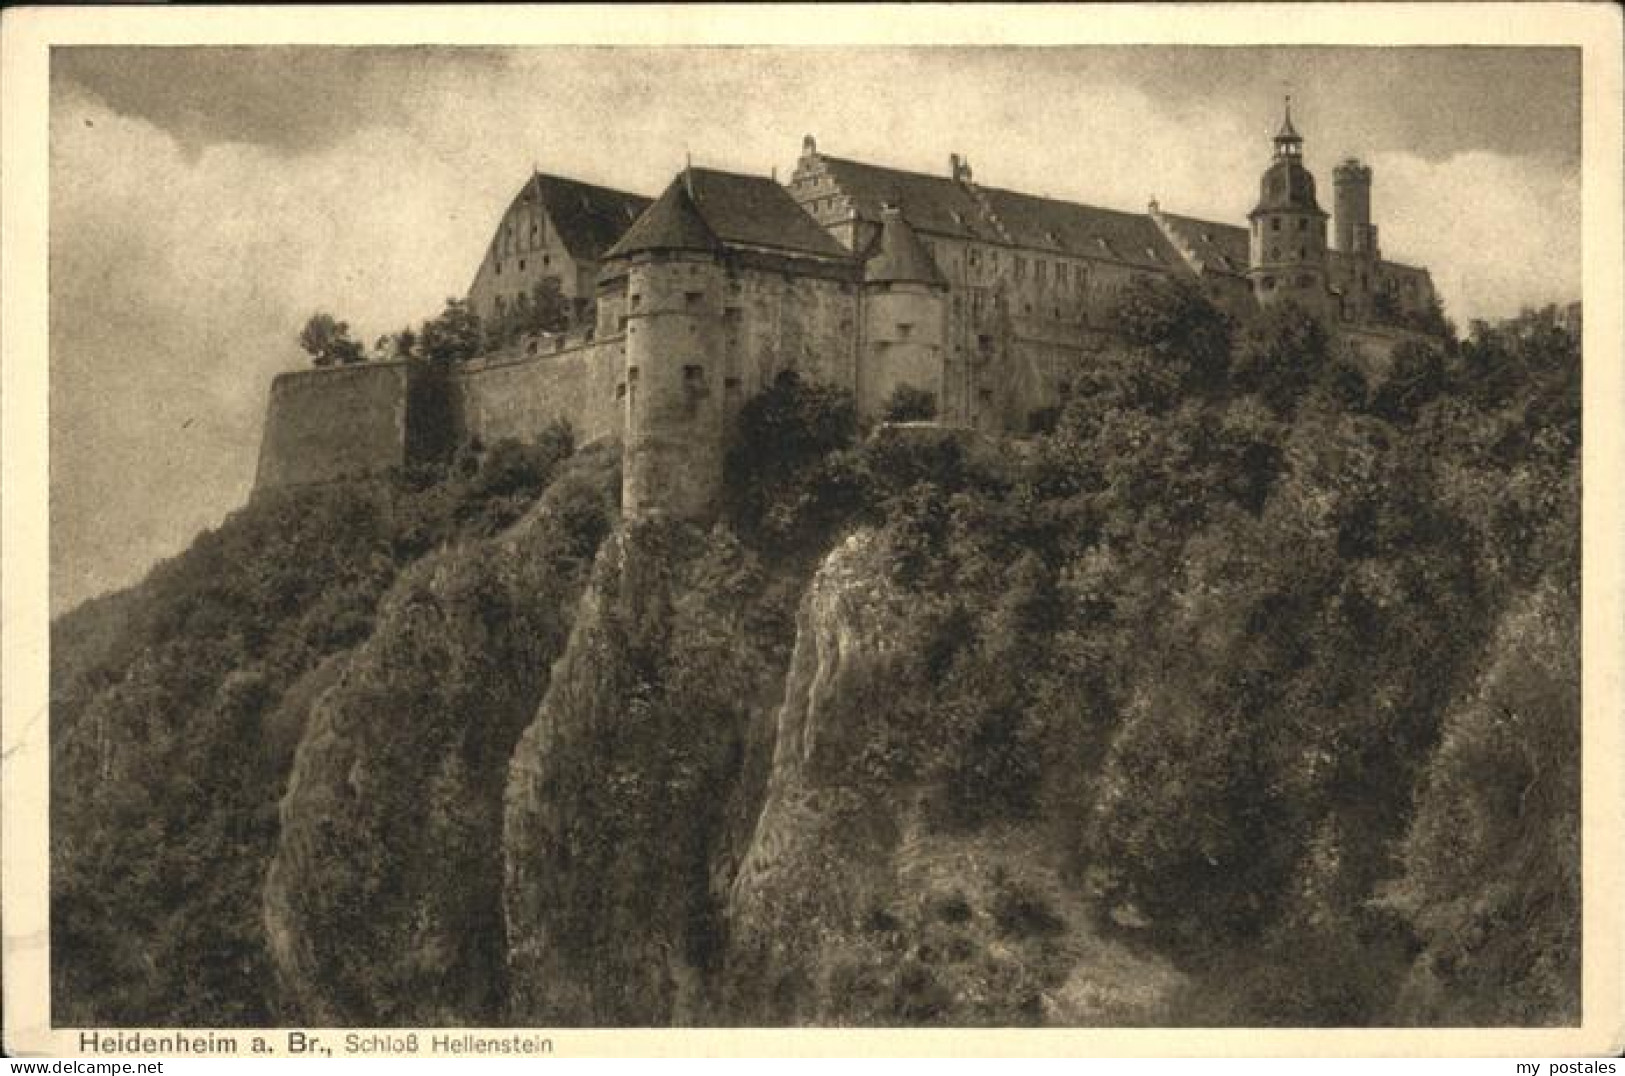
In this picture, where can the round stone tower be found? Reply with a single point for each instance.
(674, 410)
(904, 318)
(1352, 229)
(1287, 252)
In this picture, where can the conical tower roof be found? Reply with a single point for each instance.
(899, 256)
(1288, 133)
(672, 223)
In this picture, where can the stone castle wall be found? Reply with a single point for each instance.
(519, 396)
(336, 422)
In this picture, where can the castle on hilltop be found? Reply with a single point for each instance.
(989, 301)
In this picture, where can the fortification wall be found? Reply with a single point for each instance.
(520, 396)
(777, 322)
(335, 422)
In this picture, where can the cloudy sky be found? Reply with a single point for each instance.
(204, 201)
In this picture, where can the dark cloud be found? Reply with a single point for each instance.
(297, 98)
(290, 98)
(1432, 102)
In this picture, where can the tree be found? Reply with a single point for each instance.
(909, 404)
(1178, 325)
(1416, 377)
(1492, 860)
(783, 474)
(1283, 352)
(452, 337)
(328, 342)
(545, 309)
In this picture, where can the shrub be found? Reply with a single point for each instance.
(909, 404)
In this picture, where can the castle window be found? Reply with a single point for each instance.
(535, 232)
(904, 330)
(693, 298)
(620, 390)
(632, 374)
(547, 260)
(1060, 273)
(1300, 252)
(1275, 224)
(971, 256)
(636, 299)
(521, 265)
(732, 315)
(693, 374)
(622, 323)
(1021, 267)
(1303, 224)
(1038, 270)
(499, 267)
(1269, 283)
(730, 383)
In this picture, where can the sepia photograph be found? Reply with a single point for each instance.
(879, 535)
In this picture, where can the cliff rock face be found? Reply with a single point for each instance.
(853, 905)
(620, 791)
(382, 901)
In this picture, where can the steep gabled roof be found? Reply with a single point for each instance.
(589, 219)
(1082, 230)
(703, 209)
(934, 204)
(755, 211)
(672, 223)
(1220, 247)
(939, 205)
(899, 257)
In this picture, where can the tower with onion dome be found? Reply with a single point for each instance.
(1287, 239)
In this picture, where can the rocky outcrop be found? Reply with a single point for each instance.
(623, 792)
(852, 906)
(381, 906)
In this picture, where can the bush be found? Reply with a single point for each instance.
(909, 404)
(787, 479)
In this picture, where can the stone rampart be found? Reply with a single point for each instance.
(335, 422)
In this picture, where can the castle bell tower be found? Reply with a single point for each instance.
(674, 354)
(1287, 251)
